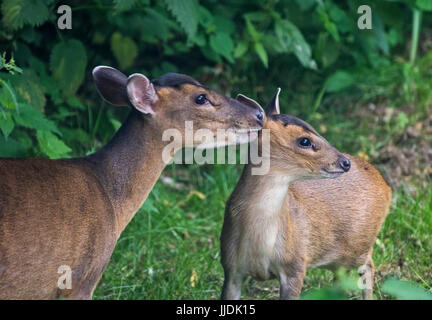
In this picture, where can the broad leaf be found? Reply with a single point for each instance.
(186, 13)
(6, 124)
(125, 50)
(68, 63)
(17, 13)
(11, 148)
(32, 118)
(124, 4)
(222, 44)
(241, 49)
(261, 52)
(338, 81)
(405, 290)
(51, 145)
(425, 5)
(27, 87)
(291, 40)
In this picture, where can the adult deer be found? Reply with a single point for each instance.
(280, 224)
(71, 212)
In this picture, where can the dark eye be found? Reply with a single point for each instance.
(201, 99)
(304, 143)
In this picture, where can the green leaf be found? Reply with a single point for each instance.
(7, 96)
(405, 290)
(6, 124)
(327, 293)
(28, 87)
(338, 81)
(17, 13)
(326, 50)
(125, 50)
(402, 120)
(123, 5)
(186, 13)
(32, 118)
(115, 123)
(68, 62)
(148, 206)
(11, 148)
(222, 44)
(51, 145)
(306, 4)
(261, 52)
(256, 36)
(224, 25)
(74, 102)
(291, 40)
(328, 24)
(241, 49)
(425, 5)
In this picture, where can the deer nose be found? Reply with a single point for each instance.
(260, 117)
(344, 163)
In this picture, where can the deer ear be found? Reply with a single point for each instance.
(141, 93)
(111, 85)
(248, 101)
(273, 105)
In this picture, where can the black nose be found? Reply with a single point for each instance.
(260, 117)
(344, 163)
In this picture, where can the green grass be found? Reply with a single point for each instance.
(170, 250)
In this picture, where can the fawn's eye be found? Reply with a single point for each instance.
(304, 143)
(201, 99)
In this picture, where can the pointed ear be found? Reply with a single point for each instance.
(250, 102)
(273, 105)
(141, 93)
(111, 85)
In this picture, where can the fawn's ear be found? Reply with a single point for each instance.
(250, 102)
(111, 85)
(273, 105)
(141, 93)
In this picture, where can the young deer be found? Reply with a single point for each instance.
(280, 224)
(72, 211)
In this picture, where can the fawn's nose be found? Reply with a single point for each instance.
(260, 117)
(344, 163)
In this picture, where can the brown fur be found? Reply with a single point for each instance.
(280, 224)
(72, 211)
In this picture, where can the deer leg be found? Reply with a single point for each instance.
(366, 273)
(231, 289)
(291, 284)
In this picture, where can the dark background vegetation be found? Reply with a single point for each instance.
(367, 91)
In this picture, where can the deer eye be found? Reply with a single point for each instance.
(201, 99)
(304, 143)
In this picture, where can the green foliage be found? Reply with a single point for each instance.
(68, 63)
(6, 124)
(125, 50)
(186, 12)
(338, 81)
(51, 145)
(17, 13)
(291, 40)
(10, 65)
(405, 290)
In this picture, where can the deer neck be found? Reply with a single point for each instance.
(263, 195)
(257, 211)
(129, 166)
